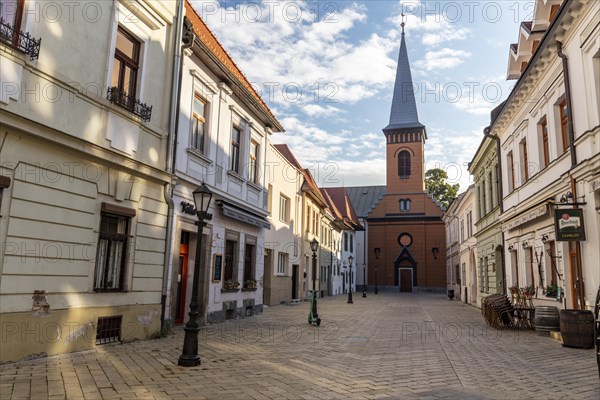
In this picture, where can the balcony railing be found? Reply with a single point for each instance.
(130, 103)
(20, 40)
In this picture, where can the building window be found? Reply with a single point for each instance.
(491, 189)
(404, 204)
(511, 171)
(553, 11)
(462, 230)
(229, 260)
(284, 209)
(253, 164)
(545, 145)
(524, 162)
(126, 63)
(564, 124)
(249, 262)
(11, 11)
(345, 241)
(308, 216)
(351, 243)
(281, 263)
(199, 124)
(111, 256)
(234, 164)
(404, 164)
(469, 224)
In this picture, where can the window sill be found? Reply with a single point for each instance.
(249, 290)
(235, 176)
(281, 275)
(255, 186)
(229, 290)
(198, 154)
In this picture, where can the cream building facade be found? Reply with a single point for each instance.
(549, 129)
(222, 141)
(82, 181)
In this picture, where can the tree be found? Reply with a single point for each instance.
(436, 183)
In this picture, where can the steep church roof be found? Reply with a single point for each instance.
(404, 107)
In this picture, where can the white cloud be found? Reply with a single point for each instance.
(443, 59)
(316, 110)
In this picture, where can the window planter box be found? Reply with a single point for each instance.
(229, 290)
(248, 289)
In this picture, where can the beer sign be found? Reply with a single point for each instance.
(568, 224)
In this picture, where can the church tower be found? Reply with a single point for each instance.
(406, 234)
(405, 135)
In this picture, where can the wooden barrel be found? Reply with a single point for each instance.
(546, 319)
(577, 328)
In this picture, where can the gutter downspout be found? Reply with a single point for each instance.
(565, 64)
(487, 134)
(170, 162)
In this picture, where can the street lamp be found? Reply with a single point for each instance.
(435, 251)
(377, 251)
(189, 356)
(314, 246)
(364, 280)
(350, 259)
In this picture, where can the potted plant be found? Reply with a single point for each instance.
(230, 284)
(250, 284)
(551, 291)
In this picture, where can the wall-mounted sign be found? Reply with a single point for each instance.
(568, 224)
(188, 208)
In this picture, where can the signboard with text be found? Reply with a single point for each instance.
(568, 224)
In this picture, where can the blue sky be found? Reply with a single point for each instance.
(326, 69)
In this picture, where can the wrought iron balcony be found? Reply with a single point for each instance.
(19, 39)
(130, 103)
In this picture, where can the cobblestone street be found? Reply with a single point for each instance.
(407, 346)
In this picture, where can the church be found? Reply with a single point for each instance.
(404, 245)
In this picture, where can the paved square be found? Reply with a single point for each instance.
(390, 345)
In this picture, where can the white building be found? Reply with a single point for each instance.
(83, 134)
(222, 140)
(549, 129)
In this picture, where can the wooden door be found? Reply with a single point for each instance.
(406, 280)
(181, 283)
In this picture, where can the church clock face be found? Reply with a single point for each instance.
(405, 239)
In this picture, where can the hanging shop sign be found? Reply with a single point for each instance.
(568, 224)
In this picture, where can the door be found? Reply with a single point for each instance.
(295, 268)
(181, 282)
(406, 280)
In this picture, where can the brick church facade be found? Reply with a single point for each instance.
(403, 221)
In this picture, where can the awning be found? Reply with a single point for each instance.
(232, 211)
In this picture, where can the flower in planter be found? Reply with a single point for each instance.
(250, 284)
(229, 284)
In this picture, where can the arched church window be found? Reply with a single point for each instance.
(404, 164)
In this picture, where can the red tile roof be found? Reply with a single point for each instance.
(287, 153)
(342, 203)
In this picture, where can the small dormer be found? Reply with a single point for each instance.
(544, 13)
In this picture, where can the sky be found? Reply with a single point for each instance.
(326, 69)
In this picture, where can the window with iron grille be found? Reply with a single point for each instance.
(108, 329)
(111, 256)
(11, 20)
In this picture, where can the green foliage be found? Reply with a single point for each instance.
(436, 183)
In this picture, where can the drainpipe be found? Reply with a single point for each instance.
(170, 161)
(487, 134)
(565, 63)
(571, 126)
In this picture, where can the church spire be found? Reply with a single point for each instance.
(404, 107)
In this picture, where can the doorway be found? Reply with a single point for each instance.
(406, 280)
(184, 248)
(295, 269)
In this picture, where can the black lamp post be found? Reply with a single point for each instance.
(364, 281)
(314, 246)
(350, 259)
(377, 251)
(189, 356)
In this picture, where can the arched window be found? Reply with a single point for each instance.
(402, 205)
(407, 205)
(404, 164)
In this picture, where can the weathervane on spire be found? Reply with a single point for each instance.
(403, 22)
